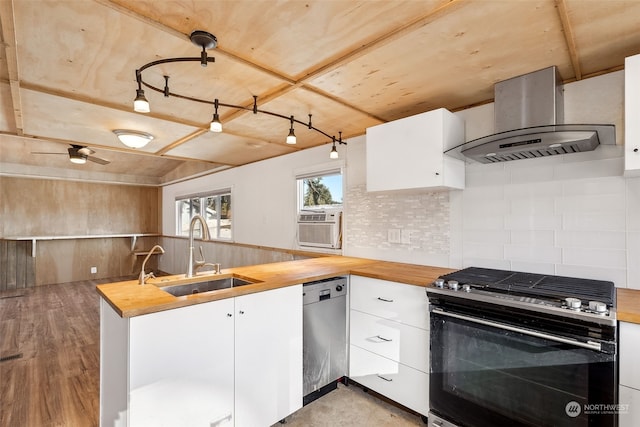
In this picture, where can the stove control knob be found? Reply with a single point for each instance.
(453, 285)
(439, 283)
(466, 288)
(598, 307)
(573, 303)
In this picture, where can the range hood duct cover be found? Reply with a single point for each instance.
(529, 117)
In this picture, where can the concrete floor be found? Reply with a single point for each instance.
(351, 406)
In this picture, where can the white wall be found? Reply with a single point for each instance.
(572, 215)
(263, 196)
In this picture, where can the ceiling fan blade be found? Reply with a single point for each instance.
(98, 160)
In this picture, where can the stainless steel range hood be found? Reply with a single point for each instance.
(529, 123)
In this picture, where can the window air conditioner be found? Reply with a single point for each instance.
(320, 229)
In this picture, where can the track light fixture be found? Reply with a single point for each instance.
(291, 138)
(334, 152)
(216, 125)
(206, 41)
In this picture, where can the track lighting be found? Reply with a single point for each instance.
(291, 138)
(334, 152)
(206, 41)
(215, 125)
(140, 104)
(133, 138)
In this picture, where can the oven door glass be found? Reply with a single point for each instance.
(485, 376)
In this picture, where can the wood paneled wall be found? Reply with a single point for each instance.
(16, 265)
(43, 207)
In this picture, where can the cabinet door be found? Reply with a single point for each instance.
(268, 356)
(408, 153)
(629, 350)
(631, 114)
(181, 366)
(390, 300)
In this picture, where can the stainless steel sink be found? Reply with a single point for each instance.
(208, 286)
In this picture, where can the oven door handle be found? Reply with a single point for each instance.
(591, 345)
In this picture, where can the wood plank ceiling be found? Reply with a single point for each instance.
(67, 72)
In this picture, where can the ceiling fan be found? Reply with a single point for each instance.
(79, 154)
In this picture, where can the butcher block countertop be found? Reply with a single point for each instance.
(130, 299)
(628, 305)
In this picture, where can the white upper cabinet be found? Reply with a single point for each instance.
(632, 116)
(408, 153)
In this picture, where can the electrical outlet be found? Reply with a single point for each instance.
(94, 270)
(405, 237)
(393, 235)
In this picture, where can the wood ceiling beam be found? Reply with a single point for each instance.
(561, 6)
(7, 23)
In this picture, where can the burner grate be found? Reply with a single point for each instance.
(537, 285)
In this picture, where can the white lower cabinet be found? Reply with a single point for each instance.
(268, 371)
(389, 340)
(629, 391)
(233, 362)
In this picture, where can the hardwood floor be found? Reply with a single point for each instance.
(50, 356)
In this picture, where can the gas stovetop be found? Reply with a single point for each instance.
(585, 299)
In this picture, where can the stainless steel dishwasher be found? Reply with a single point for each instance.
(324, 336)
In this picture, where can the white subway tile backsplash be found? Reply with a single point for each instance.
(589, 222)
(533, 237)
(532, 205)
(492, 237)
(538, 189)
(483, 250)
(530, 253)
(589, 169)
(533, 267)
(606, 258)
(533, 222)
(480, 175)
(590, 203)
(633, 204)
(606, 185)
(593, 239)
(500, 264)
(532, 171)
(474, 220)
(633, 259)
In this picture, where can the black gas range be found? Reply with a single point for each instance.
(522, 349)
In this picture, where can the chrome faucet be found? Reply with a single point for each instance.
(195, 264)
(143, 276)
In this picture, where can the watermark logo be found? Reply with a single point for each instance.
(573, 409)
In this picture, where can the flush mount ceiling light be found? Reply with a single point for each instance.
(133, 138)
(206, 41)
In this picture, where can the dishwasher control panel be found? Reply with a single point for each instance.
(324, 289)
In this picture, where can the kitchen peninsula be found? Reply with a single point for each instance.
(203, 356)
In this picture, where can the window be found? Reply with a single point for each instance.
(215, 207)
(320, 191)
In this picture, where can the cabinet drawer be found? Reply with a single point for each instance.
(398, 382)
(390, 339)
(403, 303)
